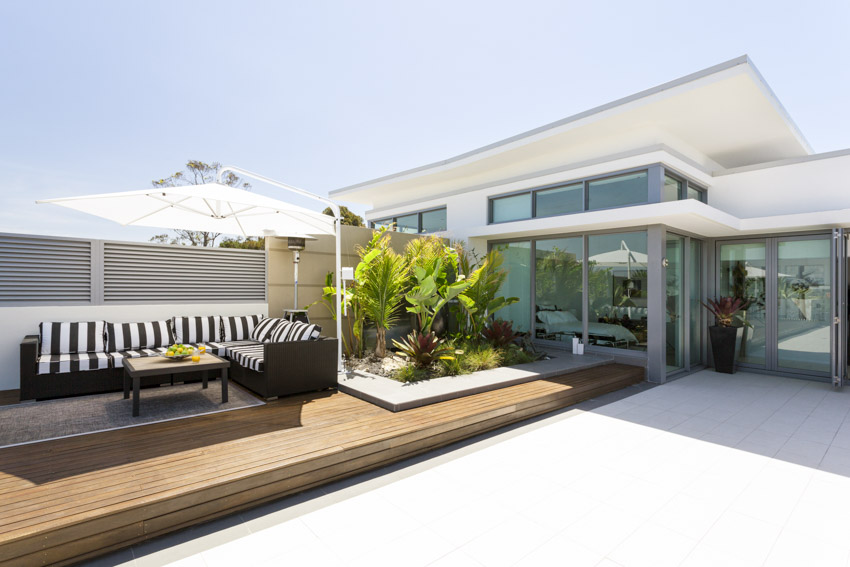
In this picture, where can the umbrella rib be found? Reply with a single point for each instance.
(176, 204)
(236, 218)
(239, 212)
(207, 203)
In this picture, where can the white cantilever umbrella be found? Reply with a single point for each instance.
(211, 207)
(215, 207)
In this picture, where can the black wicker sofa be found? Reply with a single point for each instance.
(71, 359)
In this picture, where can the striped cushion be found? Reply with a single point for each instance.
(264, 328)
(221, 349)
(295, 332)
(249, 356)
(69, 338)
(72, 362)
(118, 357)
(129, 336)
(239, 328)
(197, 329)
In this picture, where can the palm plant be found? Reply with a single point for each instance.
(381, 278)
(479, 302)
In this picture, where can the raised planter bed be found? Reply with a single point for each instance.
(398, 396)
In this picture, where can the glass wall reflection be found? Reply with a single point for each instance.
(804, 288)
(517, 265)
(742, 274)
(617, 284)
(675, 307)
(558, 288)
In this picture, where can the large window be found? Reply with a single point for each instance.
(420, 222)
(558, 288)
(517, 264)
(511, 208)
(619, 191)
(617, 286)
(559, 200)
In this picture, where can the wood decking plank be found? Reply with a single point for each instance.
(60, 500)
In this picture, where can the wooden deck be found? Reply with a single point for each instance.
(70, 499)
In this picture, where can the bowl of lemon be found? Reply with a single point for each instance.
(178, 351)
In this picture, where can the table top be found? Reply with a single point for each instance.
(156, 365)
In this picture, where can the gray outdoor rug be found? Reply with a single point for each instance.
(51, 419)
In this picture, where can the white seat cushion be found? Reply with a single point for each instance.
(72, 362)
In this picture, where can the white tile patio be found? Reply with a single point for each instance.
(706, 470)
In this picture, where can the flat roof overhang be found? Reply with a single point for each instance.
(722, 117)
(688, 216)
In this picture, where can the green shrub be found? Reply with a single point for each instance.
(410, 373)
(514, 354)
(483, 357)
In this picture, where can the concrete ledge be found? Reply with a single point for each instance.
(398, 396)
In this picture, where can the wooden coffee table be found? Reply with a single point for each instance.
(137, 368)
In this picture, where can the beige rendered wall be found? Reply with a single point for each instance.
(317, 259)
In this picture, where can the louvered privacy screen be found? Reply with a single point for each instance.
(43, 270)
(47, 270)
(144, 273)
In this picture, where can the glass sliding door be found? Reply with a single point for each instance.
(617, 286)
(675, 305)
(558, 288)
(742, 273)
(804, 294)
(695, 316)
(517, 265)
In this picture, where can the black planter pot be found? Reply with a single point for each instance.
(724, 347)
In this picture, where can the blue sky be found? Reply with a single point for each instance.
(106, 96)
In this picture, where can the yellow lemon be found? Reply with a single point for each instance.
(169, 353)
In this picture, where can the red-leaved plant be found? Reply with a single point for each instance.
(500, 333)
(727, 310)
(424, 350)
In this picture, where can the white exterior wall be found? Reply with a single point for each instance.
(469, 209)
(21, 321)
(808, 186)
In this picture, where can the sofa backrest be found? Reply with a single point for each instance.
(197, 329)
(130, 336)
(71, 338)
(239, 328)
(296, 331)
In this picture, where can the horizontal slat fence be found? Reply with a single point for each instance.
(139, 272)
(45, 270)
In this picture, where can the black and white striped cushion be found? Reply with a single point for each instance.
(264, 329)
(128, 336)
(72, 362)
(239, 328)
(70, 338)
(118, 357)
(197, 329)
(249, 356)
(296, 331)
(221, 349)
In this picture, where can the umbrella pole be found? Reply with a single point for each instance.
(295, 261)
(338, 222)
(337, 219)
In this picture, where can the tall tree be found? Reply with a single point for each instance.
(349, 218)
(249, 243)
(195, 173)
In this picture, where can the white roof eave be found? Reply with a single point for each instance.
(689, 216)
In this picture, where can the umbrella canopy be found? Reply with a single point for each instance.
(211, 207)
(619, 257)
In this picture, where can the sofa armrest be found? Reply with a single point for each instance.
(302, 365)
(29, 363)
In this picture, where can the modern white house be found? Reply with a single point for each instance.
(616, 223)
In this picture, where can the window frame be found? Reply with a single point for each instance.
(393, 220)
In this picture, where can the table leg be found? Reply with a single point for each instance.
(224, 385)
(205, 377)
(136, 384)
(126, 384)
